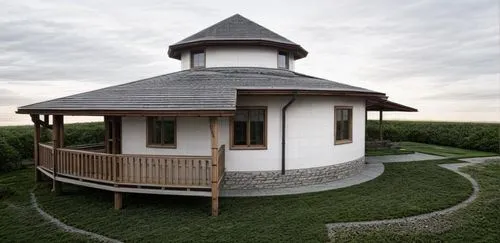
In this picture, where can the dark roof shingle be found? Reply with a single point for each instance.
(202, 89)
(236, 29)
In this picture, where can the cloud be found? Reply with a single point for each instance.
(435, 55)
(9, 98)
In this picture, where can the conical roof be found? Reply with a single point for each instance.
(236, 30)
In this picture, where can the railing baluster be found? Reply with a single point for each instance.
(133, 169)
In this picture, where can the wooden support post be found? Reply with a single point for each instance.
(56, 143)
(36, 139)
(380, 126)
(118, 200)
(366, 117)
(214, 132)
(61, 132)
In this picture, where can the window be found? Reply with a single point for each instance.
(283, 60)
(197, 59)
(161, 132)
(343, 125)
(248, 128)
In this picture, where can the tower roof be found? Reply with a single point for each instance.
(236, 30)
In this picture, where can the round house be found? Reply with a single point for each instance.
(236, 117)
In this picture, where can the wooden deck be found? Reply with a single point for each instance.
(171, 175)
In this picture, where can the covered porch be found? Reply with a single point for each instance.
(382, 106)
(105, 167)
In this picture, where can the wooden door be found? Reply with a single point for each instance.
(113, 136)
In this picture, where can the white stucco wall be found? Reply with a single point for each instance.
(185, 60)
(310, 135)
(309, 131)
(193, 137)
(225, 56)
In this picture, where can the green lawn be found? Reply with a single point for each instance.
(404, 189)
(445, 151)
(19, 222)
(386, 151)
(479, 222)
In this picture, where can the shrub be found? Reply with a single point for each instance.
(16, 142)
(9, 157)
(466, 135)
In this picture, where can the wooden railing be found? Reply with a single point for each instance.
(128, 169)
(221, 160)
(46, 156)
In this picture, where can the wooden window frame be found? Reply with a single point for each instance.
(287, 60)
(152, 145)
(191, 58)
(343, 141)
(248, 146)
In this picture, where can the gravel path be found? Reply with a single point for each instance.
(66, 227)
(402, 158)
(433, 222)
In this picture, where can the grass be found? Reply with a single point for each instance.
(404, 189)
(19, 222)
(444, 151)
(386, 151)
(479, 222)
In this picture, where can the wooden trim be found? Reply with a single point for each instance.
(248, 146)
(166, 146)
(343, 141)
(80, 112)
(251, 92)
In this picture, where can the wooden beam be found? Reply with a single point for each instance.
(118, 200)
(189, 113)
(36, 139)
(56, 143)
(214, 134)
(381, 131)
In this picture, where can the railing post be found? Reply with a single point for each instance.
(214, 132)
(56, 143)
(36, 140)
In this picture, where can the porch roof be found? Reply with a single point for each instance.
(208, 89)
(386, 105)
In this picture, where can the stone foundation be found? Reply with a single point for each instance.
(291, 178)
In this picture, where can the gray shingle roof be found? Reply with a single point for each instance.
(198, 89)
(236, 29)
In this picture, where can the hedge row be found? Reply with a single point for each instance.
(474, 136)
(16, 142)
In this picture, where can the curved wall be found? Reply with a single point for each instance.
(309, 131)
(226, 56)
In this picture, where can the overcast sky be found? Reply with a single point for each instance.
(441, 57)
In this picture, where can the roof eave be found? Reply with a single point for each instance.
(386, 105)
(325, 92)
(128, 112)
(175, 51)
